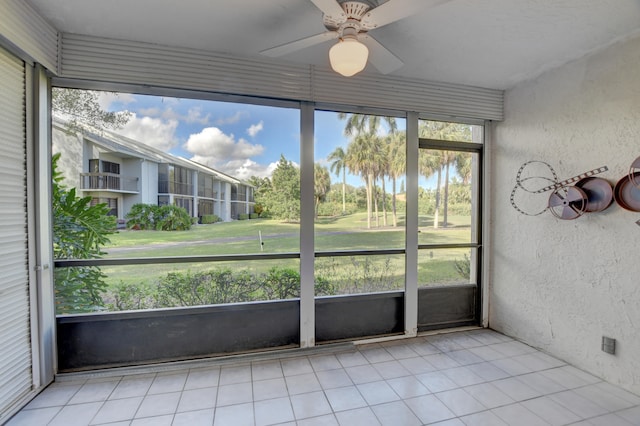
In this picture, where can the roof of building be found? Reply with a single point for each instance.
(115, 142)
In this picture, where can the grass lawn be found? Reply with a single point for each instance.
(332, 234)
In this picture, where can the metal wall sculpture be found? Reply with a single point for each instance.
(571, 198)
(627, 190)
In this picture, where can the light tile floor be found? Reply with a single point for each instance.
(477, 377)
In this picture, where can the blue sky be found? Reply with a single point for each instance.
(241, 140)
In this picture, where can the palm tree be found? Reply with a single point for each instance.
(321, 185)
(429, 164)
(448, 158)
(439, 160)
(463, 165)
(382, 171)
(362, 124)
(338, 165)
(361, 160)
(397, 166)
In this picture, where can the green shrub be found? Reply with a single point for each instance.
(160, 218)
(243, 216)
(209, 218)
(462, 209)
(173, 218)
(463, 266)
(254, 215)
(324, 287)
(205, 288)
(126, 297)
(212, 287)
(335, 208)
(142, 216)
(79, 232)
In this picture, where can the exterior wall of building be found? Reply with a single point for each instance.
(71, 155)
(225, 196)
(149, 186)
(561, 285)
(76, 152)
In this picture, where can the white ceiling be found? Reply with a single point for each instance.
(486, 43)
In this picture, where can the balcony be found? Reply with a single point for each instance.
(169, 187)
(109, 182)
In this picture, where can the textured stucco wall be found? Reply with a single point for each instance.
(561, 285)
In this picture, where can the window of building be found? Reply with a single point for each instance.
(110, 167)
(205, 207)
(111, 203)
(205, 186)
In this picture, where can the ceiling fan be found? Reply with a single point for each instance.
(350, 21)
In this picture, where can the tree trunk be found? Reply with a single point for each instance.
(375, 203)
(369, 195)
(446, 196)
(384, 204)
(393, 203)
(344, 189)
(436, 213)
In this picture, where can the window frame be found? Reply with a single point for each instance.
(307, 252)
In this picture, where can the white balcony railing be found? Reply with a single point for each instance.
(108, 182)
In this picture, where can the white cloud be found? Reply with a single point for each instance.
(221, 151)
(194, 115)
(323, 162)
(231, 119)
(151, 112)
(151, 131)
(240, 169)
(254, 129)
(105, 99)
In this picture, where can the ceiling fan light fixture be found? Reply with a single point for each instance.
(349, 56)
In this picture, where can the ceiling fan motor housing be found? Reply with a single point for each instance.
(354, 11)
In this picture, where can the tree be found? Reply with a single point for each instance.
(338, 165)
(380, 164)
(429, 164)
(361, 161)
(397, 167)
(363, 123)
(79, 231)
(282, 200)
(439, 161)
(82, 107)
(463, 164)
(321, 185)
(365, 126)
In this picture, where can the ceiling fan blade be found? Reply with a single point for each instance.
(394, 10)
(294, 46)
(379, 56)
(330, 8)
